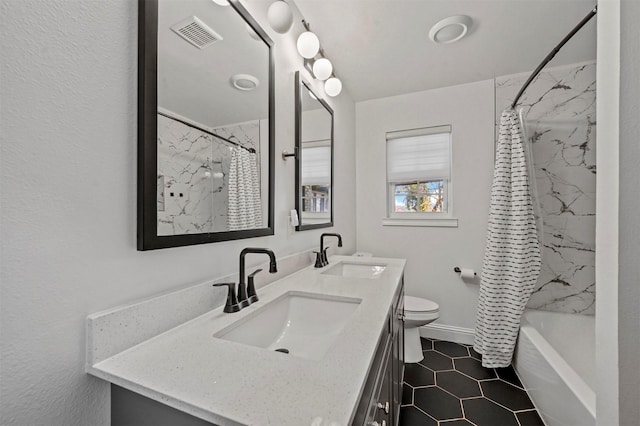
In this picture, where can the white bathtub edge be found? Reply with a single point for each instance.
(579, 387)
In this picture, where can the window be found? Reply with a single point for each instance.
(316, 178)
(419, 173)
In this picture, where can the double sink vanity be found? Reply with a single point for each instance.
(322, 346)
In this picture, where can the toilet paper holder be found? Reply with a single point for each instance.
(458, 270)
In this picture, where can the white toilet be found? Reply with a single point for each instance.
(417, 312)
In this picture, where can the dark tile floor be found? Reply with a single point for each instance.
(450, 387)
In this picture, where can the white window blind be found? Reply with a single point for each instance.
(316, 165)
(419, 155)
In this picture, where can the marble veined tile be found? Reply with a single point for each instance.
(559, 110)
(195, 169)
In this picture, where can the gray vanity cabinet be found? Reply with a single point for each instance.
(381, 398)
(397, 361)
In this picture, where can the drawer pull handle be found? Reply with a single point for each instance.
(384, 406)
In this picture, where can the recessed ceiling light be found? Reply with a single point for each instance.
(221, 2)
(450, 29)
(244, 82)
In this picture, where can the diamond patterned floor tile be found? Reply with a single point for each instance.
(460, 422)
(427, 344)
(411, 416)
(436, 361)
(474, 354)
(457, 384)
(416, 375)
(508, 374)
(529, 418)
(407, 395)
(483, 412)
(438, 403)
(451, 349)
(451, 388)
(473, 368)
(506, 395)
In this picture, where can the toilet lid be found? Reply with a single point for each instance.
(418, 304)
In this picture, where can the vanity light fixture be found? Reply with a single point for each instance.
(280, 16)
(322, 69)
(450, 29)
(244, 82)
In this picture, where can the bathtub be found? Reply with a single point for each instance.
(555, 359)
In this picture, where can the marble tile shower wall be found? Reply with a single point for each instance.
(193, 170)
(559, 110)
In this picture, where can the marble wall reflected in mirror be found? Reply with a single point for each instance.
(205, 139)
(314, 165)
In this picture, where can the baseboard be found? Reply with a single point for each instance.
(451, 333)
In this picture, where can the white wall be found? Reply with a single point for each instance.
(629, 242)
(68, 224)
(607, 163)
(431, 252)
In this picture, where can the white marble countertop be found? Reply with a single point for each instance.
(228, 383)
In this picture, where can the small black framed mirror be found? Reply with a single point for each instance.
(314, 158)
(205, 124)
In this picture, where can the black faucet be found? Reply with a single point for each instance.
(321, 256)
(247, 295)
(232, 304)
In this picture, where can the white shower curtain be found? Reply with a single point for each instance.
(511, 263)
(245, 208)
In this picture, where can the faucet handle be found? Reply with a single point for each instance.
(232, 304)
(252, 296)
(251, 275)
(319, 263)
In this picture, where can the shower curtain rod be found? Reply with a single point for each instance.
(251, 150)
(555, 50)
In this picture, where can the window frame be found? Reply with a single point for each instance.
(444, 218)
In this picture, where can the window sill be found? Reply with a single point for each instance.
(443, 222)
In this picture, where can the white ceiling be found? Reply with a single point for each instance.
(381, 48)
(195, 83)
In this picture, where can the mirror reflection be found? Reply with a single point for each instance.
(314, 143)
(212, 117)
(212, 124)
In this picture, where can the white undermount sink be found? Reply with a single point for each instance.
(356, 270)
(298, 323)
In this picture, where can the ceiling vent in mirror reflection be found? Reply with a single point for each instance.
(244, 82)
(196, 32)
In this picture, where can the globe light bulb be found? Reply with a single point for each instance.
(322, 69)
(308, 45)
(333, 86)
(280, 17)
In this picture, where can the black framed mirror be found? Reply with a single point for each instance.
(314, 158)
(205, 124)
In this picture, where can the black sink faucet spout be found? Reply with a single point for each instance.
(323, 251)
(243, 298)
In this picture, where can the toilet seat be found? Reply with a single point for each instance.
(419, 305)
